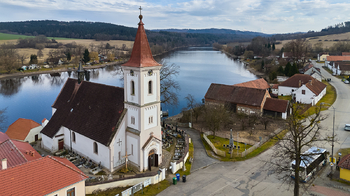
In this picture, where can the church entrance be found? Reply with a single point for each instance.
(152, 160)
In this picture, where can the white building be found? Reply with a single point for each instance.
(105, 123)
(24, 130)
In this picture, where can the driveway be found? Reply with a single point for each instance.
(200, 157)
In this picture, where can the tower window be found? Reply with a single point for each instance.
(95, 148)
(73, 136)
(132, 120)
(132, 88)
(150, 120)
(132, 72)
(150, 87)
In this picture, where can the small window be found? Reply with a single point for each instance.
(71, 192)
(150, 120)
(132, 149)
(119, 156)
(95, 148)
(73, 136)
(150, 87)
(132, 120)
(132, 88)
(303, 92)
(132, 72)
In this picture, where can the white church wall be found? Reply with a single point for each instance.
(46, 142)
(119, 145)
(153, 113)
(150, 98)
(133, 140)
(127, 87)
(133, 111)
(85, 147)
(31, 135)
(51, 144)
(153, 145)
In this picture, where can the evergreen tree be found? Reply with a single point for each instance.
(272, 76)
(69, 56)
(280, 70)
(262, 65)
(33, 59)
(86, 57)
(273, 47)
(287, 68)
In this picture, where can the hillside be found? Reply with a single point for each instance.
(215, 31)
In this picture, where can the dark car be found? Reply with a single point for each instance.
(347, 127)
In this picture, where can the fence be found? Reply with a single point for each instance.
(132, 190)
(175, 166)
(216, 151)
(257, 145)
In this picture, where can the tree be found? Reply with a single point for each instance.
(215, 117)
(69, 56)
(272, 75)
(40, 53)
(93, 56)
(302, 132)
(22, 57)
(273, 47)
(168, 85)
(3, 119)
(280, 70)
(86, 57)
(33, 59)
(262, 64)
(287, 68)
(8, 57)
(193, 106)
(265, 121)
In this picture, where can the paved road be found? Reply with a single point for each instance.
(200, 158)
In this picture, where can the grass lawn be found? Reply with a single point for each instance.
(288, 97)
(150, 190)
(5, 36)
(343, 151)
(254, 153)
(188, 163)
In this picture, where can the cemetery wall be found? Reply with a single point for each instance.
(216, 151)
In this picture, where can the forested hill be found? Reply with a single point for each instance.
(107, 31)
(215, 31)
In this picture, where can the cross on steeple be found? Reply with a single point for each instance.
(140, 10)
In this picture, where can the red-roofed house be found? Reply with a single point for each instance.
(257, 84)
(344, 165)
(25, 130)
(45, 176)
(17, 152)
(3, 137)
(276, 107)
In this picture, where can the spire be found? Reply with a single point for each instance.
(141, 55)
(80, 73)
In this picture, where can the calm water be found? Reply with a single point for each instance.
(31, 97)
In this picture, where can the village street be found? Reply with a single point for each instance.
(250, 177)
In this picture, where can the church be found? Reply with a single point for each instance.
(108, 124)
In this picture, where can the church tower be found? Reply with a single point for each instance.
(142, 101)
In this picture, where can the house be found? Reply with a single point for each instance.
(344, 165)
(17, 153)
(345, 53)
(3, 137)
(44, 176)
(25, 130)
(274, 89)
(276, 107)
(257, 84)
(106, 123)
(322, 57)
(317, 76)
(33, 66)
(336, 58)
(286, 55)
(339, 67)
(312, 71)
(239, 99)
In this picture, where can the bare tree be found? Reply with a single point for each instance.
(8, 57)
(265, 121)
(168, 85)
(303, 132)
(22, 57)
(40, 53)
(216, 116)
(300, 49)
(193, 106)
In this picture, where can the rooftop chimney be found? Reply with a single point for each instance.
(311, 82)
(4, 163)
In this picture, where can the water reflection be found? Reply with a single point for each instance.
(11, 86)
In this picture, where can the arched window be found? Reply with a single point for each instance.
(95, 148)
(150, 87)
(132, 88)
(73, 136)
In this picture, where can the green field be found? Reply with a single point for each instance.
(5, 36)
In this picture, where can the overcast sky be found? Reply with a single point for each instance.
(267, 16)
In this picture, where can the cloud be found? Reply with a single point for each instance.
(271, 16)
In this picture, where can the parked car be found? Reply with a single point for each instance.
(346, 81)
(347, 127)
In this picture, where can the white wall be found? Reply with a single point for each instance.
(317, 76)
(306, 98)
(79, 189)
(46, 142)
(285, 90)
(284, 115)
(31, 135)
(153, 111)
(133, 111)
(134, 140)
(153, 145)
(150, 98)
(127, 87)
(51, 144)
(117, 146)
(274, 91)
(84, 146)
(53, 111)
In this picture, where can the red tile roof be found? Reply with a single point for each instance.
(275, 86)
(39, 177)
(43, 120)
(343, 66)
(81, 108)
(276, 105)
(294, 80)
(316, 86)
(345, 53)
(258, 83)
(3, 137)
(20, 128)
(141, 55)
(236, 94)
(338, 58)
(345, 162)
(17, 152)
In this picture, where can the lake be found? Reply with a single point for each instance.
(31, 97)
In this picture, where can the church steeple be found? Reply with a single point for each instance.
(80, 73)
(141, 55)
